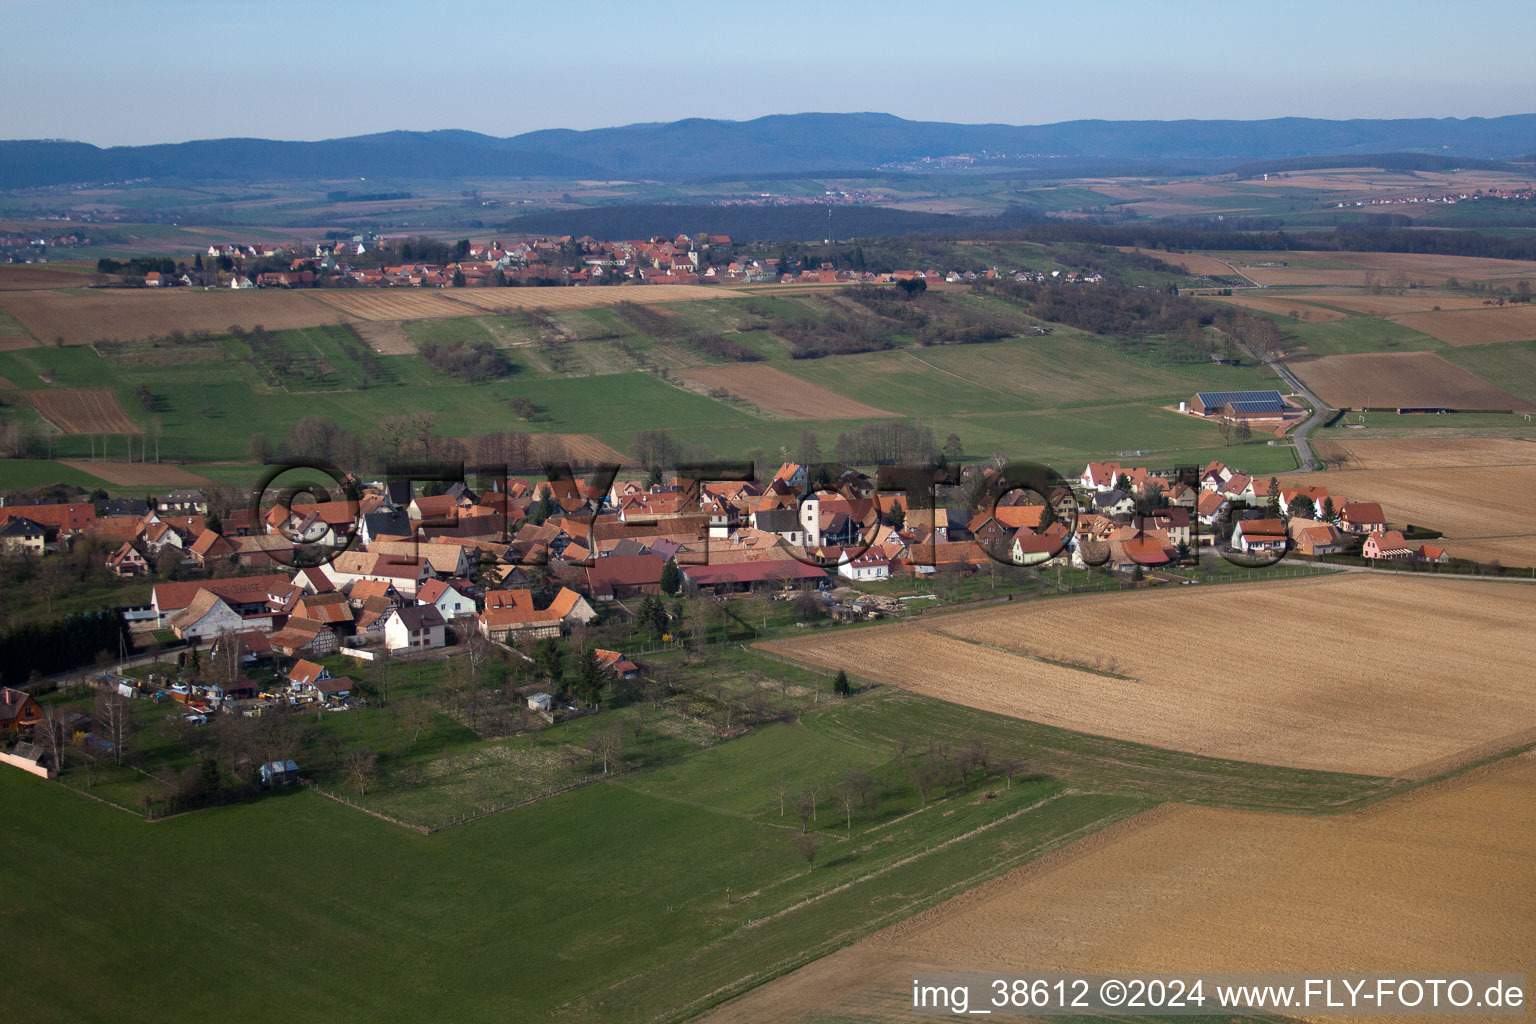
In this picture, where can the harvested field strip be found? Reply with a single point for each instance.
(27, 277)
(138, 474)
(394, 304)
(1465, 268)
(1428, 453)
(128, 314)
(782, 394)
(1475, 326)
(1442, 876)
(506, 299)
(1390, 305)
(1097, 670)
(1376, 713)
(1192, 262)
(1280, 306)
(83, 410)
(1400, 380)
(577, 449)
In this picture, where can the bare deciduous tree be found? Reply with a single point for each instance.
(808, 847)
(416, 715)
(360, 768)
(605, 744)
(114, 722)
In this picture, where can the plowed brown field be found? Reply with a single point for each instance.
(1349, 673)
(782, 394)
(1280, 306)
(1192, 262)
(1400, 379)
(14, 277)
(1428, 452)
(83, 410)
(1389, 305)
(1439, 880)
(123, 315)
(577, 449)
(1475, 326)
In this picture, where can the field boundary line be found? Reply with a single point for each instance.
(923, 904)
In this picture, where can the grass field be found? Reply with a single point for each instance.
(650, 897)
(1440, 880)
(23, 474)
(1136, 667)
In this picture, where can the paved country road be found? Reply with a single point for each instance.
(1320, 412)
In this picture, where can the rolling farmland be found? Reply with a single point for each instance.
(1439, 880)
(1488, 326)
(126, 314)
(1390, 305)
(1378, 380)
(1138, 667)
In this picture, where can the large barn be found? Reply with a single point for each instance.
(1243, 405)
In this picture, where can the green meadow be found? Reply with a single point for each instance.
(650, 895)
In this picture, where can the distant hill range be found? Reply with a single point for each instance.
(780, 144)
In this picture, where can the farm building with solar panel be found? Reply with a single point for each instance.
(1253, 406)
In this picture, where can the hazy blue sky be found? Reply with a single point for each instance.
(114, 73)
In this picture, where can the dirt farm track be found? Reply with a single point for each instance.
(1439, 880)
(1277, 673)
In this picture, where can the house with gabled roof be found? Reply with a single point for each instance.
(449, 598)
(1260, 536)
(511, 614)
(1313, 538)
(126, 562)
(22, 536)
(1388, 544)
(1362, 517)
(415, 627)
(1431, 553)
(615, 664)
(206, 616)
(304, 637)
(208, 547)
(246, 595)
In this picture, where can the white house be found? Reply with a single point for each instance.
(447, 599)
(1262, 536)
(866, 567)
(417, 627)
(209, 616)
